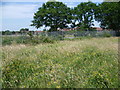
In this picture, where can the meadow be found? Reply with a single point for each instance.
(79, 63)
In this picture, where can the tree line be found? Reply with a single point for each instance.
(22, 31)
(56, 15)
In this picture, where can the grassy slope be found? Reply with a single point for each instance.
(87, 63)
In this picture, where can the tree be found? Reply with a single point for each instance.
(52, 14)
(13, 32)
(7, 32)
(108, 15)
(84, 14)
(24, 30)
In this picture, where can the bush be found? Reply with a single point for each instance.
(8, 40)
(106, 34)
(46, 39)
(60, 37)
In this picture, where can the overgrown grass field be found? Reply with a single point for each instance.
(85, 63)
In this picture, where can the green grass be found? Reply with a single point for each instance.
(80, 63)
(9, 40)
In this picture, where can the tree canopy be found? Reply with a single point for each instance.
(84, 14)
(24, 29)
(56, 15)
(52, 14)
(108, 15)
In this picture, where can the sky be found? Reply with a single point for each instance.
(17, 14)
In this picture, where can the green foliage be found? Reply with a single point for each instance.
(46, 39)
(105, 34)
(58, 15)
(30, 33)
(53, 14)
(57, 37)
(24, 30)
(84, 14)
(99, 79)
(7, 32)
(108, 15)
(8, 40)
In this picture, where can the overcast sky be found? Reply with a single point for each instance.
(17, 14)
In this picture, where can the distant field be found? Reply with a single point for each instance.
(85, 63)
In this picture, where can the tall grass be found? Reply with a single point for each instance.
(85, 63)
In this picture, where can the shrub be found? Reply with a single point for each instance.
(46, 39)
(8, 40)
(106, 34)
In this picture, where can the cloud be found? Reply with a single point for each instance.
(71, 4)
(97, 0)
(18, 11)
(24, 0)
(48, 0)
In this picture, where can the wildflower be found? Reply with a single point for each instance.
(58, 87)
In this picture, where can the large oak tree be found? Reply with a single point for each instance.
(52, 14)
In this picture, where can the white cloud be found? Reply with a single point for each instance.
(97, 0)
(18, 10)
(48, 0)
(0, 18)
(24, 0)
(71, 4)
